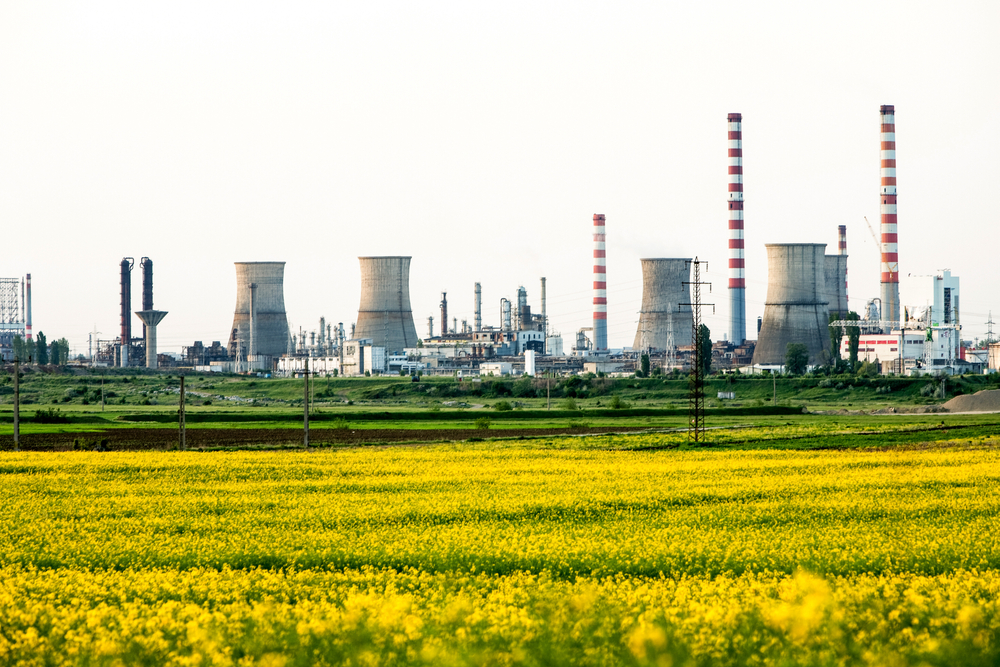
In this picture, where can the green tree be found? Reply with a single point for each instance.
(22, 350)
(41, 349)
(59, 352)
(644, 364)
(705, 343)
(796, 358)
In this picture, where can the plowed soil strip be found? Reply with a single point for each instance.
(159, 438)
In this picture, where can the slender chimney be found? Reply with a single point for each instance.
(27, 301)
(146, 264)
(600, 288)
(126, 312)
(479, 307)
(842, 248)
(545, 320)
(890, 252)
(444, 313)
(737, 275)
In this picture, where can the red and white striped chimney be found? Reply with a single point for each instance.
(600, 287)
(890, 252)
(842, 239)
(737, 277)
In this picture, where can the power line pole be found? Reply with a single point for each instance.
(305, 401)
(17, 404)
(181, 425)
(696, 399)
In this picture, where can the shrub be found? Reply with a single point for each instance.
(569, 404)
(503, 406)
(482, 423)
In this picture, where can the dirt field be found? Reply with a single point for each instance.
(160, 438)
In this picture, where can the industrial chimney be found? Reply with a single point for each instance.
(890, 252)
(126, 310)
(796, 308)
(146, 265)
(600, 288)
(663, 320)
(737, 275)
(444, 313)
(27, 319)
(260, 325)
(479, 307)
(384, 314)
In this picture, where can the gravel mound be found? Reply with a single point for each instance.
(987, 400)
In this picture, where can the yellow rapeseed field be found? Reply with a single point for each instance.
(501, 555)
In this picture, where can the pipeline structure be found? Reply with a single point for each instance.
(600, 287)
(737, 277)
(890, 251)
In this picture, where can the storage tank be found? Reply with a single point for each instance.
(836, 284)
(796, 307)
(259, 323)
(663, 293)
(385, 315)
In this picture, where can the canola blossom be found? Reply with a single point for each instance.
(490, 554)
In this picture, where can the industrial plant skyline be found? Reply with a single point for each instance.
(482, 142)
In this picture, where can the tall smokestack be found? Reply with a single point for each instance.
(444, 313)
(126, 314)
(890, 253)
(737, 275)
(545, 320)
(27, 301)
(600, 288)
(842, 248)
(146, 264)
(479, 307)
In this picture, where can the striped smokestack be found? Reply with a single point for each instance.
(842, 239)
(890, 253)
(737, 276)
(600, 288)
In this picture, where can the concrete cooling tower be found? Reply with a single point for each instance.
(663, 292)
(835, 269)
(384, 314)
(796, 307)
(259, 324)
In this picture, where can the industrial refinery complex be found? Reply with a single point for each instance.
(806, 305)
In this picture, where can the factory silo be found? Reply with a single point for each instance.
(796, 307)
(665, 304)
(260, 326)
(384, 314)
(835, 269)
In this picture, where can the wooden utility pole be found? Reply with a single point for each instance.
(305, 401)
(17, 405)
(180, 419)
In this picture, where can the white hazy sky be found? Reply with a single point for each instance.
(481, 138)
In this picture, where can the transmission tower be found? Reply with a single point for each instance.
(989, 329)
(671, 357)
(696, 399)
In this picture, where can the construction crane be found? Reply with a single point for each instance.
(878, 246)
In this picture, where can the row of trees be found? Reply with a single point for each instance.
(40, 351)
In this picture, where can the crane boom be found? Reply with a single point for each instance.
(874, 237)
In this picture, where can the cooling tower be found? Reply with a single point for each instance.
(836, 284)
(796, 307)
(384, 314)
(663, 292)
(259, 323)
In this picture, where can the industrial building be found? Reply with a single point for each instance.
(15, 314)
(384, 314)
(796, 307)
(665, 320)
(259, 333)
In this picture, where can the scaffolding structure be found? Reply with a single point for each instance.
(12, 319)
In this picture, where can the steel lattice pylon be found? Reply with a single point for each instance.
(10, 301)
(696, 397)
